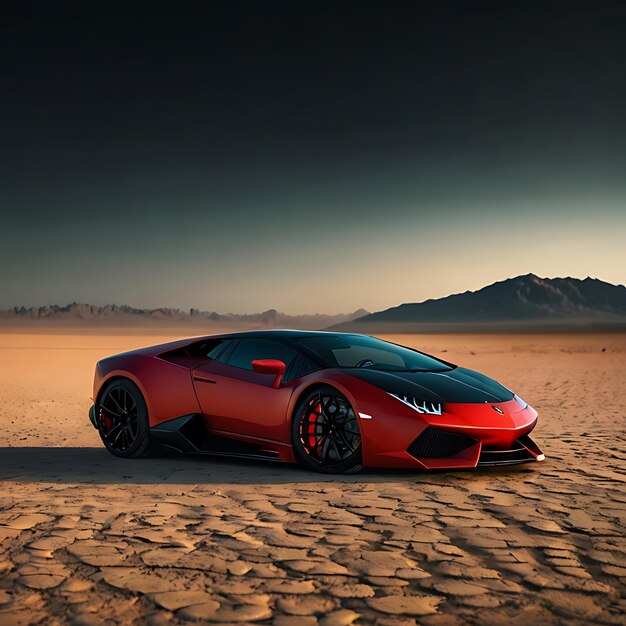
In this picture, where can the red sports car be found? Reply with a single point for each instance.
(334, 402)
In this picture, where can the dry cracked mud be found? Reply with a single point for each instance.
(86, 538)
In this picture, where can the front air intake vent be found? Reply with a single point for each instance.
(434, 443)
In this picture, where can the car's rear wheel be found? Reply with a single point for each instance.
(122, 417)
(326, 433)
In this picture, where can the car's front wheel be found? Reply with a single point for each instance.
(122, 417)
(326, 434)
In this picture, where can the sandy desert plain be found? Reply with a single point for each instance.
(86, 538)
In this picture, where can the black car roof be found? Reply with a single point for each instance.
(278, 334)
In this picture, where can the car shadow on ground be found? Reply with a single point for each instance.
(97, 466)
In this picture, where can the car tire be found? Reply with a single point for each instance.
(325, 432)
(122, 418)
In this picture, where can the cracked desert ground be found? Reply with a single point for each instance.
(86, 538)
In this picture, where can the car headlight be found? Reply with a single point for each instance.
(423, 407)
(520, 401)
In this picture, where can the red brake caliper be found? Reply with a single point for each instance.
(312, 424)
(108, 422)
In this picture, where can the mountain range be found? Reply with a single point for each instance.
(523, 303)
(123, 315)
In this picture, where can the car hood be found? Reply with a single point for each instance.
(454, 385)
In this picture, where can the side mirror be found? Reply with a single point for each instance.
(270, 366)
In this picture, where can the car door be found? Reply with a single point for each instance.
(238, 400)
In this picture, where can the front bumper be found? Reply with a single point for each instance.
(464, 436)
(435, 448)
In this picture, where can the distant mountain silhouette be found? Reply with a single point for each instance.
(517, 304)
(123, 315)
(525, 301)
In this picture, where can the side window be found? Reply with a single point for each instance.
(209, 349)
(225, 351)
(214, 349)
(300, 366)
(248, 350)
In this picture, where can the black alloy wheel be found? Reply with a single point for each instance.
(123, 420)
(326, 433)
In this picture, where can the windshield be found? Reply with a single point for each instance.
(371, 353)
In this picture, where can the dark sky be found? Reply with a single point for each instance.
(308, 156)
